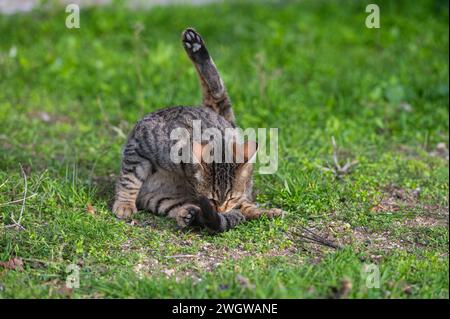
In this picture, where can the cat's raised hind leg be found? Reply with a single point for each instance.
(215, 95)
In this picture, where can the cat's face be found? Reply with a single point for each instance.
(226, 185)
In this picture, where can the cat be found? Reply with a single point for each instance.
(213, 195)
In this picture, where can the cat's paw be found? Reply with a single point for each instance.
(186, 215)
(124, 210)
(192, 41)
(275, 212)
(194, 45)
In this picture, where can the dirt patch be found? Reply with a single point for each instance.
(375, 244)
(395, 199)
(342, 234)
(207, 259)
(380, 241)
(423, 221)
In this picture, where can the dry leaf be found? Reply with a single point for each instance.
(13, 264)
(90, 209)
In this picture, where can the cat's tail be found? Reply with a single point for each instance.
(216, 222)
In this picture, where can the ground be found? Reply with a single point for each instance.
(69, 97)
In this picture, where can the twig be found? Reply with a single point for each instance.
(338, 170)
(321, 241)
(335, 160)
(41, 261)
(316, 238)
(17, 200)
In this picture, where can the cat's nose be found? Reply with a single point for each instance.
(222, 208)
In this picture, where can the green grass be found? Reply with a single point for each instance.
(68, 98)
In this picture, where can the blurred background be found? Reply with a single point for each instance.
(13, 6)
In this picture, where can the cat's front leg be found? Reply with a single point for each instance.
(134, 171)
(175, 206)
(251, 211)
(127, 189)
(186, 215)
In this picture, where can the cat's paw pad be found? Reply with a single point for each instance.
(187, 215)
(124, 210)
(192, 41)
(275, 212)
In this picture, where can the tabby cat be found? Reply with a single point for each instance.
(212, 195)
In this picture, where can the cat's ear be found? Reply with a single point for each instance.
(197, 152)
(244, 153)
(250, 149)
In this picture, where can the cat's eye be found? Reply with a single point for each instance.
(212, 200)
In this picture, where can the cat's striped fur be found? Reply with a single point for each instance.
(214, 195)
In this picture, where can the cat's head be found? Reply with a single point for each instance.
(226, 185)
